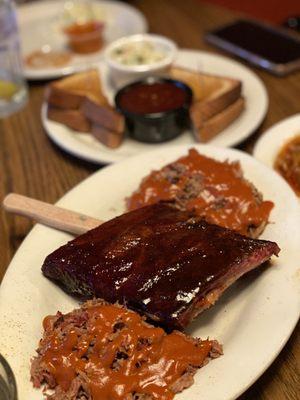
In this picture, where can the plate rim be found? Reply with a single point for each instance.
(240, 155)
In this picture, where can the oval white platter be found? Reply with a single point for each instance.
(39, 26)
(253, 319)
(86, 147)
(271, 142)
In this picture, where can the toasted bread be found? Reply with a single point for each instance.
(212, 95)
(106, 116)
(70, 92)
(74, 119)
(78, 102)
(206, 130)
(207, 87)
(106, 136)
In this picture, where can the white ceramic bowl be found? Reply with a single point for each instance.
(122, 74)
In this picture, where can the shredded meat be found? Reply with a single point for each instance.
(216, 191)
(76, 346)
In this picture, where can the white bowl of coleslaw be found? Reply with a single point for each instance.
(138, 56)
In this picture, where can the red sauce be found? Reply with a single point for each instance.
(220, 194)
(152, 98)
(287, 163)
(85, 37)
(150, 362)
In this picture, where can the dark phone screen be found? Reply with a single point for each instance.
(268, 44)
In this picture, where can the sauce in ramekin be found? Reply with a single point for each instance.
(85, 37)
(152, 98)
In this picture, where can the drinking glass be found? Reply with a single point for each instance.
(8, 389)
(13, 90)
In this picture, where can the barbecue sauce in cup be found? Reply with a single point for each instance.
(153, 98)
(155, 109)
(85, 37)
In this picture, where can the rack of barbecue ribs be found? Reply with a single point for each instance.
(162, 262)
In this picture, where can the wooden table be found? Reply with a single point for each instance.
(31, 165)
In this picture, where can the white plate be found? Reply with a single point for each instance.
(253, 319)
(39, 26)
(271, 142)
(86, 147)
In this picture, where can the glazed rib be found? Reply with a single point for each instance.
(159, 261)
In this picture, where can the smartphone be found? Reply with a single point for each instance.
(266, 46)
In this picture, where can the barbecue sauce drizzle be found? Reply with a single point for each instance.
(224, 197)
(149, 363)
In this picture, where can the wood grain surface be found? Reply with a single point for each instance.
(31, 165)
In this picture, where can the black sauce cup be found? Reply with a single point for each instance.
(156, 127)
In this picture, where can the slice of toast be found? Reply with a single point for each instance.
(212, 95)
(70, 92)
(205, 130)
(106, 136)
(105, 116)
(78, 101)
(74, 119)
(205, 86)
